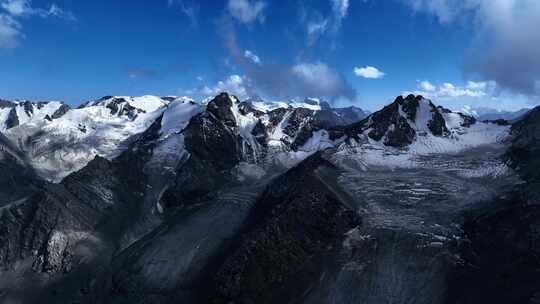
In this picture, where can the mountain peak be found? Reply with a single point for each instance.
(400, 123)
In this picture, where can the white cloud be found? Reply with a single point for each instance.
(252, 56)
(426, 86)
(317, 28)
(369, 72)
(474, 94)
(247, 11)
(318, 79)
(316, 74)
(21, 8)
(340, 7)
(481, 89)
(506, 45)
(317, 25)
(11, 28)
(58, 12)
(9, 32)
(234, 84)
(17, 7)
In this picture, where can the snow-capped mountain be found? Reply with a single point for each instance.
(17, 113)
(59, 140)
(484, 114)
(228, 201)
(59, 144)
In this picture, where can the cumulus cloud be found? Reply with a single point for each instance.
(233, 84)
(252, 56)
(247, 11)
(318, 79)
(426, 86)
(472, 89)
(278, 80)
(9, 32)
(369, 72)
(507, 40)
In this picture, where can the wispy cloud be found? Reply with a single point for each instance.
(142, 73)
(276, 79)
(507, 43)
(9, 32)
(23, 8)
(12, 13)
(247, 11)
(319, 24)
(188, 9)
(252, 56)
(369, 72)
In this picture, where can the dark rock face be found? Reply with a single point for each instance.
(410, 105)
(6, 104)
(276, 116)
(389, 122)
(245, 108)
(168, 98)
(28, 108)
(18, 179)
(329, 117)
(467, 120)
(395, 122)
(61, 111)
(437, 125)
(300, 126)
(12, 120)
(501, 256)
(500, 122)
(525, 148)
(501, 252)
(39, 228)
(220, 107)
(259, 131)
(296, 219)
(214, 147)
(120, 107)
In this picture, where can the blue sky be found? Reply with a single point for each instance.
(362, 52)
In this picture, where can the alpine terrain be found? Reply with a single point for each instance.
(167, 200)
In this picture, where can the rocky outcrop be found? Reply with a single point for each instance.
(297, 219)
(525, 148)
(215, 147)
(61, 111)
(44, 227)
(399, 123)
(18, 179)
(388, 124)
(500, 254)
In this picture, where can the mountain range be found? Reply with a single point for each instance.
(167, 200)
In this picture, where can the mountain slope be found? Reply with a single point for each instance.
(13, 114)
(67, 143)
(225, 202)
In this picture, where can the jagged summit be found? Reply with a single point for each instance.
(406, 119)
